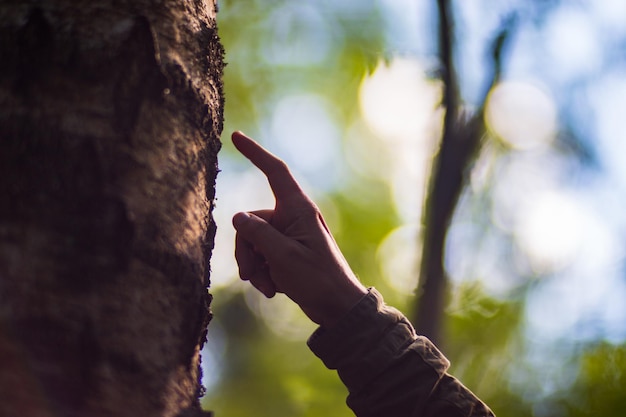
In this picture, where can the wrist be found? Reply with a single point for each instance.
(344, 301)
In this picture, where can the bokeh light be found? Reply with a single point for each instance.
(299, 34)
(346, 93)
(304, 134)
(398, 255)
(400, 106)
(522, 115)
(572, 43)
(280, 315)
(397, 101)
(550, 231)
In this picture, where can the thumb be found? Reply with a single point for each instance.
(262, 235)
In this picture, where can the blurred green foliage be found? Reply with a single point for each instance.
(268, 43)
(278, 48)
(599, 388)
(264, 374)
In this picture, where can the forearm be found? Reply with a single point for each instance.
(389, 371)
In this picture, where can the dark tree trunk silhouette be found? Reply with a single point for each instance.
(460, 145)
(110, 116)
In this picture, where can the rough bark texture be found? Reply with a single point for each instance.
(110, 116)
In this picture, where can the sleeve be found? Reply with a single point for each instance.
(389, 370)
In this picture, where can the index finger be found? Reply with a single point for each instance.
(281, 180)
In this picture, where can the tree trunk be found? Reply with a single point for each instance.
(110, 116)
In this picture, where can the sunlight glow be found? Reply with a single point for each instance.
(608, 99)
(540, 224)
(522, 115)
(248, 191)
(398, 255)
(280, 314)
(398, 101)
(400, 106)
(304, 134)
(301, 36)
(611, 15)
(549, 231)
(572, 43)
(520, 176)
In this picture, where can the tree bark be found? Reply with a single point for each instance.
(110, 116)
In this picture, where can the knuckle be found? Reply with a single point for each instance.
(280, 166)
(308, 212)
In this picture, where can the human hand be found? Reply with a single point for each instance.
(290, 249)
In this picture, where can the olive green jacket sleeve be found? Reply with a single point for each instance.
(389, 370)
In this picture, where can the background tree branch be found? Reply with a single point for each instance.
(460, 145)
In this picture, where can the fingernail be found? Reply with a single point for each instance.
(239, 133)
(240, 218)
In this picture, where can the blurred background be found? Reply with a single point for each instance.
(353, 95)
